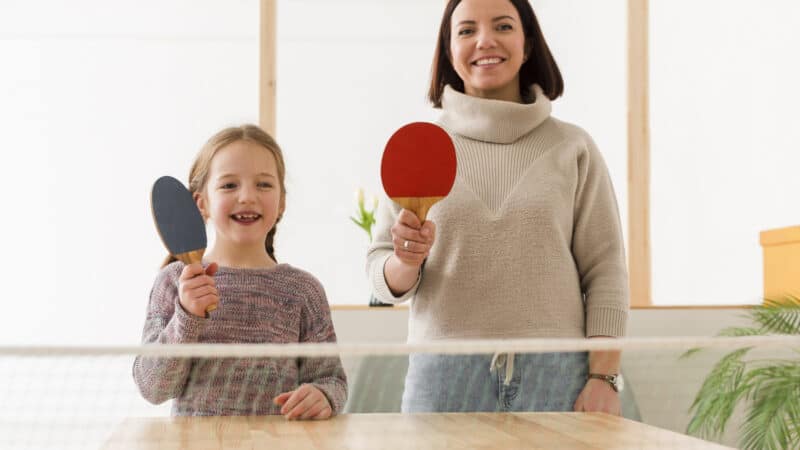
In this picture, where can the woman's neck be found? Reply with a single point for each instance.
(242, 257)
(488, 120)
(508, 93)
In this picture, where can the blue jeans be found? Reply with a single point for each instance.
(465, 383)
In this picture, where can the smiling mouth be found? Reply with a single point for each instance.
(488, 61)
(246, 217)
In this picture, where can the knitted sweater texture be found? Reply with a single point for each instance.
(281, 304)
(528, 242)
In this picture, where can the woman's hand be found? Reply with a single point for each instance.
(412, 240)
(412, 243)
(598, 396)
(305, 402)
(196, 288)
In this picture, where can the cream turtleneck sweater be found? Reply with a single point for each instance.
(528, 242)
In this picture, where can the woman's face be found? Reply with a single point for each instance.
(487, 48)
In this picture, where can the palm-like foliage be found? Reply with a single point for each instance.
(771, 388)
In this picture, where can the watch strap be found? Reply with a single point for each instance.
(610, 379)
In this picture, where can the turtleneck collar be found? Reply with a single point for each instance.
(494, 121)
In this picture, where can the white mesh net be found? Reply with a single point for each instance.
(86, 397)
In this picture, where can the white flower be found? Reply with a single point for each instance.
(359, 196)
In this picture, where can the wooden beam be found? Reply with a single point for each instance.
(266, 83)
(638, 154)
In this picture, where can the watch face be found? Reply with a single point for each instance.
(620, 382)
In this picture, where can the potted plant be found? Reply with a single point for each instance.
(365, 219)
(769, 388)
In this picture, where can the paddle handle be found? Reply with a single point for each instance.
(417, 205)
(194, 256)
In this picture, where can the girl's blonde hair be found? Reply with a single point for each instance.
(198, 176)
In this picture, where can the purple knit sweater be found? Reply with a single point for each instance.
(281, 304)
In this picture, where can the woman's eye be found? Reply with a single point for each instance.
(505, 27)
(464, 32)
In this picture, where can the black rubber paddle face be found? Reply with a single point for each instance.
(178, 220)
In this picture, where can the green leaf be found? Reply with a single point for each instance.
(740, 331)
(778, 316)
(689, 353)
(773, 419)
(728, 332)
(771, 387)
(717, 398)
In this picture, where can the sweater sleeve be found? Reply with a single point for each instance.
(598, 247)
(160, 379)
(325, 373)
(380, 251)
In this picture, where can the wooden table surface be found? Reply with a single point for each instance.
(574, 431)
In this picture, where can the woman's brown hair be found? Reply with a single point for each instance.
(198, 176)
(539, 68)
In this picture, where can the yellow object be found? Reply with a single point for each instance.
(781, 262)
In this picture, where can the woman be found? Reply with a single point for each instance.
(528, 243)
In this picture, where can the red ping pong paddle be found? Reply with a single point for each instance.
(418, 167)
(178, 221)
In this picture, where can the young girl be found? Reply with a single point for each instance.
(237, 181)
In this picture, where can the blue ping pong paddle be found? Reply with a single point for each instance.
(178, 221)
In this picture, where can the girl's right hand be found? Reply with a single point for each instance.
(196, 288)
(412, 240)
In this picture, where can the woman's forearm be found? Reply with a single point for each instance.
(604, 362)
(400, 277)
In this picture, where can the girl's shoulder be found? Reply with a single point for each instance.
(289, 277)
(170, 273)
(303, 279)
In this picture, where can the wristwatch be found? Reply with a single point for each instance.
(615, 380)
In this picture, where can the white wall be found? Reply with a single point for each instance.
(98, 100)
(725, 143)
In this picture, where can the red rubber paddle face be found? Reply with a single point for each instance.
(419, 161)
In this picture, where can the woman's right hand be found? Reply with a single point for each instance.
(196, 288)
(412, 240)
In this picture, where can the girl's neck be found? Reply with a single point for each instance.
(240, 257)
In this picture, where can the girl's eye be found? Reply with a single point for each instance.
(264, 185)
(228, 186)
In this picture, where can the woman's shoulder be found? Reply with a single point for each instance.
(575, 138)
(570, 131)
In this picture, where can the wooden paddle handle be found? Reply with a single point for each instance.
(194, 256)
(417, 205)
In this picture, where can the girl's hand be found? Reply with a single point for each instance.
(305, 402)
(196, 288)
(412, 240)
(598, 396)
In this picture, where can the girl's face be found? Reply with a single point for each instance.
(243, 196)
(487, 48)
